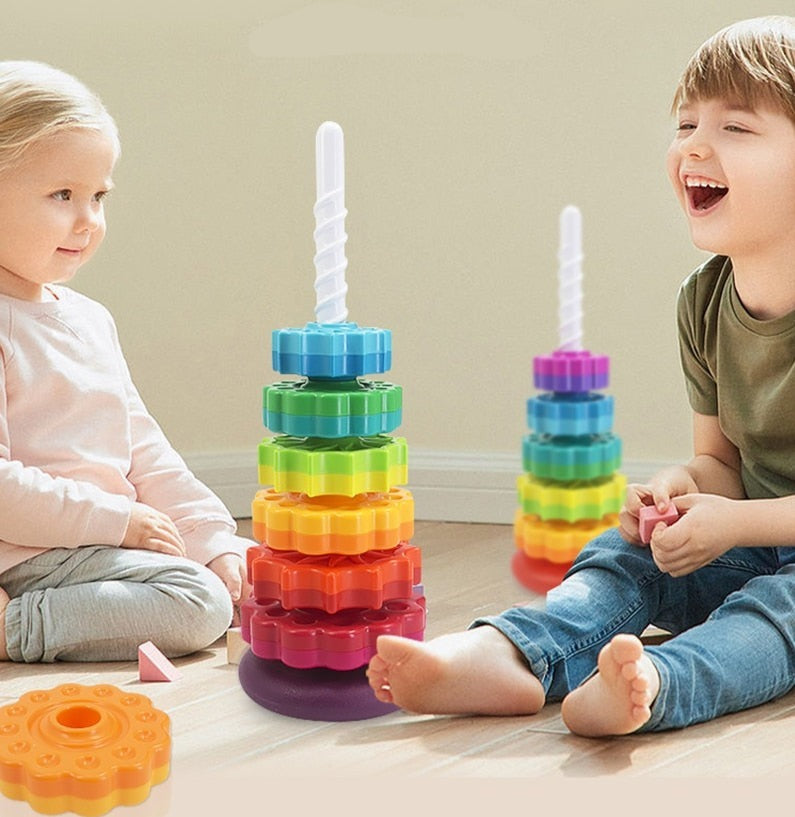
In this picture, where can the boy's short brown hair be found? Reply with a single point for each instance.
(749, 63)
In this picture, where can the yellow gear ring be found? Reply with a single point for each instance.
(349, 466)
(332, 524)
(571, 501)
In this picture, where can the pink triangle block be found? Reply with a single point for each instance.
(154, 666)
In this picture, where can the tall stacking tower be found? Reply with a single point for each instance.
(570, 490)
(335, 567)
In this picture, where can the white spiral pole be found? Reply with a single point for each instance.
(570, 280)
(330, 237)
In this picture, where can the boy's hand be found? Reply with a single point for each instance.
(669, 483)
(662, 488)
(231, 569)
(149, 529)
(707, 528)
(628, 516)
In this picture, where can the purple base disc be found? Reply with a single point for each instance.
(318, 694)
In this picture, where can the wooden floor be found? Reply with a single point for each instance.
(219, 734)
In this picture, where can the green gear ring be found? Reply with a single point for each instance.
(573, 501)
(332, 408)
(346, 467)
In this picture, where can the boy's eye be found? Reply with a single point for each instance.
(736, 129)
(102, 194)
(62, 195)
(685, 126)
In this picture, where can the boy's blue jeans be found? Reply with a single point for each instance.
(733, 622)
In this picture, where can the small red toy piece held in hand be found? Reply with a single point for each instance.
(649, 516)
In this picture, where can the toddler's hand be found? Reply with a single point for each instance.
(669, 483)
(231, 569)
(628, 516)
(149, 529)
(707, 529)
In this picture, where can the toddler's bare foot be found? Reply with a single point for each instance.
(617, 700)
(475, 672)
(4, 600)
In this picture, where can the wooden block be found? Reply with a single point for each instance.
(654, 635)
(154, 666)
(235, 646)
(649, 516)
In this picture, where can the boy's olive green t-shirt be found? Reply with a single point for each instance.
(741, 370)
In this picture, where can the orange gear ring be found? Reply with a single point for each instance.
(333, 524)
(556, 540)
(84, 749)
(334, 582)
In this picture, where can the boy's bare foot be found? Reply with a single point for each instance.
(475, 672)
(617, 700)
(4, 600)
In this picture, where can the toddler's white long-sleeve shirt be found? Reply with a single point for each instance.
(77, 445)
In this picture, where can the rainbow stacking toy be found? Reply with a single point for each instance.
(570, 491)
(334, 568)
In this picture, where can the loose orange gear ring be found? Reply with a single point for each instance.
(82, 749)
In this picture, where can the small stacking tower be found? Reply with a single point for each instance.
(570, 490)
(335, 567)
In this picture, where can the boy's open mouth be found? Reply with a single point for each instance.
(704, 194)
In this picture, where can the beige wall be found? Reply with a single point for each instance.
(468, 126)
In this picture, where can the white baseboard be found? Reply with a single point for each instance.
(447, 486)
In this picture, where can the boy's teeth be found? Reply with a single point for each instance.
(699, 183)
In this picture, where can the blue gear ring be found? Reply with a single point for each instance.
(332, 351)
(570, 414)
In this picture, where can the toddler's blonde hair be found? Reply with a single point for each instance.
(37, 100)
(749, 63)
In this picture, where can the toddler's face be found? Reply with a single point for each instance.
(52, 217)
(733, 171)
